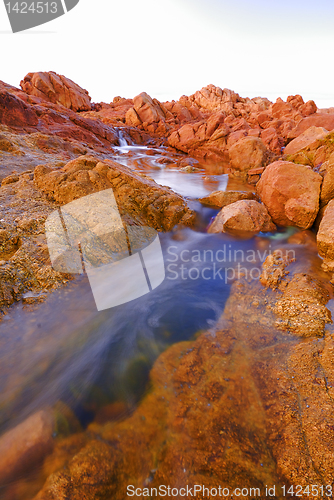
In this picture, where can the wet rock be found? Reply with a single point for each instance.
(273, 270)
(223, 198)
(24, 446)
(291, 193)
(246, 216)
(6, 144)
(56, 89)
(302, 309)
(247, 153)
(10, 179)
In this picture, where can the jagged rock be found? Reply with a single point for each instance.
(56, 89)
(291, 193)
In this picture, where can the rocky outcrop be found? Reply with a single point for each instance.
(245, 216)
(56, 89)
(137, 195)
(291, 193)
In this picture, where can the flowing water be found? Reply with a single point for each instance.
(65, 350)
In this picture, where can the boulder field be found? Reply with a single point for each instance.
(53, 137)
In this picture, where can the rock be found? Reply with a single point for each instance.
(147, 110)
(291, 193)
(24, 446)
(272, 140)
(325, 236)
(247, 153)
(325, 120)
(245, 216)
(223, 198)
(307, 138)
(138, 196)
(14, 112)
(327, 188)
(6, 144)
(56, 89)
(302, 309)
(10, 179)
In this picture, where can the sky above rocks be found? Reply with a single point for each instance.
(173, 47)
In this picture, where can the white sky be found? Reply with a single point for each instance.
(173, 47)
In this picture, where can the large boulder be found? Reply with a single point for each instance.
(307, 138)
(138, 196)
(56, 89)
(244, 216)
(291, 193)
(247, 153)
(325, 120)
(325, 237)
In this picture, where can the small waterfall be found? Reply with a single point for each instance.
(122, 141)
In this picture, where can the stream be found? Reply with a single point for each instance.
(65, 350)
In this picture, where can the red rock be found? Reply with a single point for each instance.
(147, 110)
(309, 108)
(307, 138)
(235, 137)
(272, 140)
(213, 122)
(282, 109)
(291, 193)
(325, 120)
(57, 89)
(327, 188)
(132, 119)
(247, 216)
(24, 446)
(325, 236)
(213, 98)
(137, 195)
(247, 153)
(295, 100)
(16, 113)
(223, 198)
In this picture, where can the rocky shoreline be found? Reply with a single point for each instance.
(249, 402)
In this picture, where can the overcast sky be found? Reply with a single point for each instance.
(173, 47)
